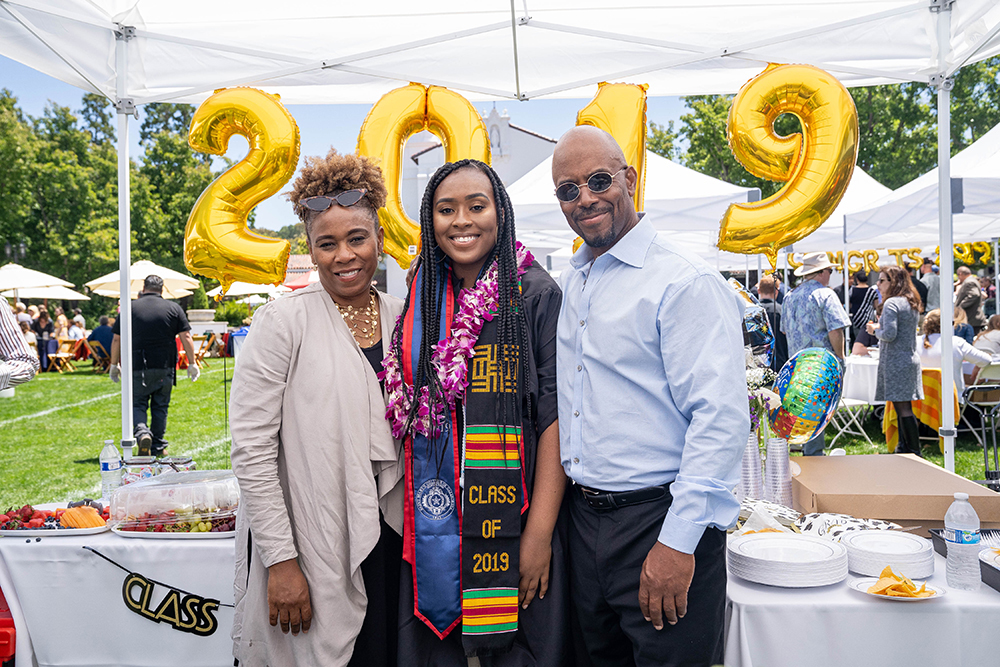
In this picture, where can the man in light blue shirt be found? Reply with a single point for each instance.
(653, 420)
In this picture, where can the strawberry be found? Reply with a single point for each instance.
(36, 523)
(38, 514)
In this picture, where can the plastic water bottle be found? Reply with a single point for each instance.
(111, 469)
(961, 530)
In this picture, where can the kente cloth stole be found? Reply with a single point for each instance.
(464, 551)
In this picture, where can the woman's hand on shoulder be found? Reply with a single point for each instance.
(535, 558)
(288, 597)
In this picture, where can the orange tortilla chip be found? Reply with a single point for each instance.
(893, 585)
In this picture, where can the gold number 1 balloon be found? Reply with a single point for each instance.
(816, 165)
(217, 243)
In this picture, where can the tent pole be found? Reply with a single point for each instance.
(996, 276)
(947, 430)
(124, 108)
(847, 292)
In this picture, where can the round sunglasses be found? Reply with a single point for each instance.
(323, 202)
(597, 183)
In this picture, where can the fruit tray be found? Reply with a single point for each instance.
(182, 504)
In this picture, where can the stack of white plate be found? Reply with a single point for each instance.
(870, 551)
(788, 560)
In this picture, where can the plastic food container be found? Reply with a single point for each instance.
(138, 468)
(176, 463)
(184, 502)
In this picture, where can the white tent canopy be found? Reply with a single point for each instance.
(141, 51)
(675, 198)
(245, 289)
(323, 52)
(909, 215)
(862, 191)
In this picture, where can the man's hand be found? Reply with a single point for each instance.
(193, 372)
(535, 558)
(288, 597)
(115, 372)
(663, 585)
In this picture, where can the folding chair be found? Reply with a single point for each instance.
(100, 356)
(984, 398)
(206, 346)
(849, 419)
(63, 359)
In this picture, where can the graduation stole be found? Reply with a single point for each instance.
(464, 551)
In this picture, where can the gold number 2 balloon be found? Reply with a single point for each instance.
(217, 242)
(399, 114)
(816, 165)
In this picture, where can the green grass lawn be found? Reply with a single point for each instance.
(52, 431)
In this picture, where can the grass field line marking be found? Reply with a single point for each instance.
(58, 408)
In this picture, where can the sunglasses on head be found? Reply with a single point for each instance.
(323, 202)
(597, 183)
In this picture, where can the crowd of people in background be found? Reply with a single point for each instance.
(41, 329)
(894, 311)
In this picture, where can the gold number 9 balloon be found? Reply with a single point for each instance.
(394, 118)
(217, 242)
(985, 251)
(620, 110)
(816, 165)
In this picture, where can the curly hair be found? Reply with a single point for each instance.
(334, 174)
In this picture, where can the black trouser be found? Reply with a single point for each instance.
(607, 550)
(151, 388)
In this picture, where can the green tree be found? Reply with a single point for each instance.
(18, 149)
(662, 140)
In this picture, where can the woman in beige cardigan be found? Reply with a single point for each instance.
(319, 546)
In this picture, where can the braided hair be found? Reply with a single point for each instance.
(512, 328)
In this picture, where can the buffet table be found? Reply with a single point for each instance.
(836, 626)
(69, 603)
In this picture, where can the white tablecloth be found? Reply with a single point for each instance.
(835, 626)
(68, 607)
(860, 376)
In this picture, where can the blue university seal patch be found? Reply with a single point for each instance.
(435, 500)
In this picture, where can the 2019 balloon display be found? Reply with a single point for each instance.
(809, 386)
(816, 165)
(217, 242)
(392, 120)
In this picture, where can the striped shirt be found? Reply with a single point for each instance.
(18, 363)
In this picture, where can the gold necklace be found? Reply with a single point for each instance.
(363, 323)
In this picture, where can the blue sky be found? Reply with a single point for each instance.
(320, 126)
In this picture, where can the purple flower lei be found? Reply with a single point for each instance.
(450, 357)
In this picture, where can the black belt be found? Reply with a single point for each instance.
(606, 500)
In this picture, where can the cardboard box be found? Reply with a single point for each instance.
(896, 487)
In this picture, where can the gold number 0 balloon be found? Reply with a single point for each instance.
(620, 110)
(816, 165)
(394, 118)
(217, 242)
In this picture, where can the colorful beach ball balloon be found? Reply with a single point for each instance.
(809, 386)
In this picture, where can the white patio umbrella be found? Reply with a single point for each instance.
(52, 292)
(246, 289)
(16, 277)
(175, 284)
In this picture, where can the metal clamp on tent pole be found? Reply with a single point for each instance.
(948, 432)
(939, 82)
(127, 106)
(941, 5)
(124, 32)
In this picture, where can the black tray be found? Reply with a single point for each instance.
(989, 574)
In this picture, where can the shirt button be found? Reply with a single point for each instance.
(582, 323)
(576, 460)
(576, 413)
(579, 368)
